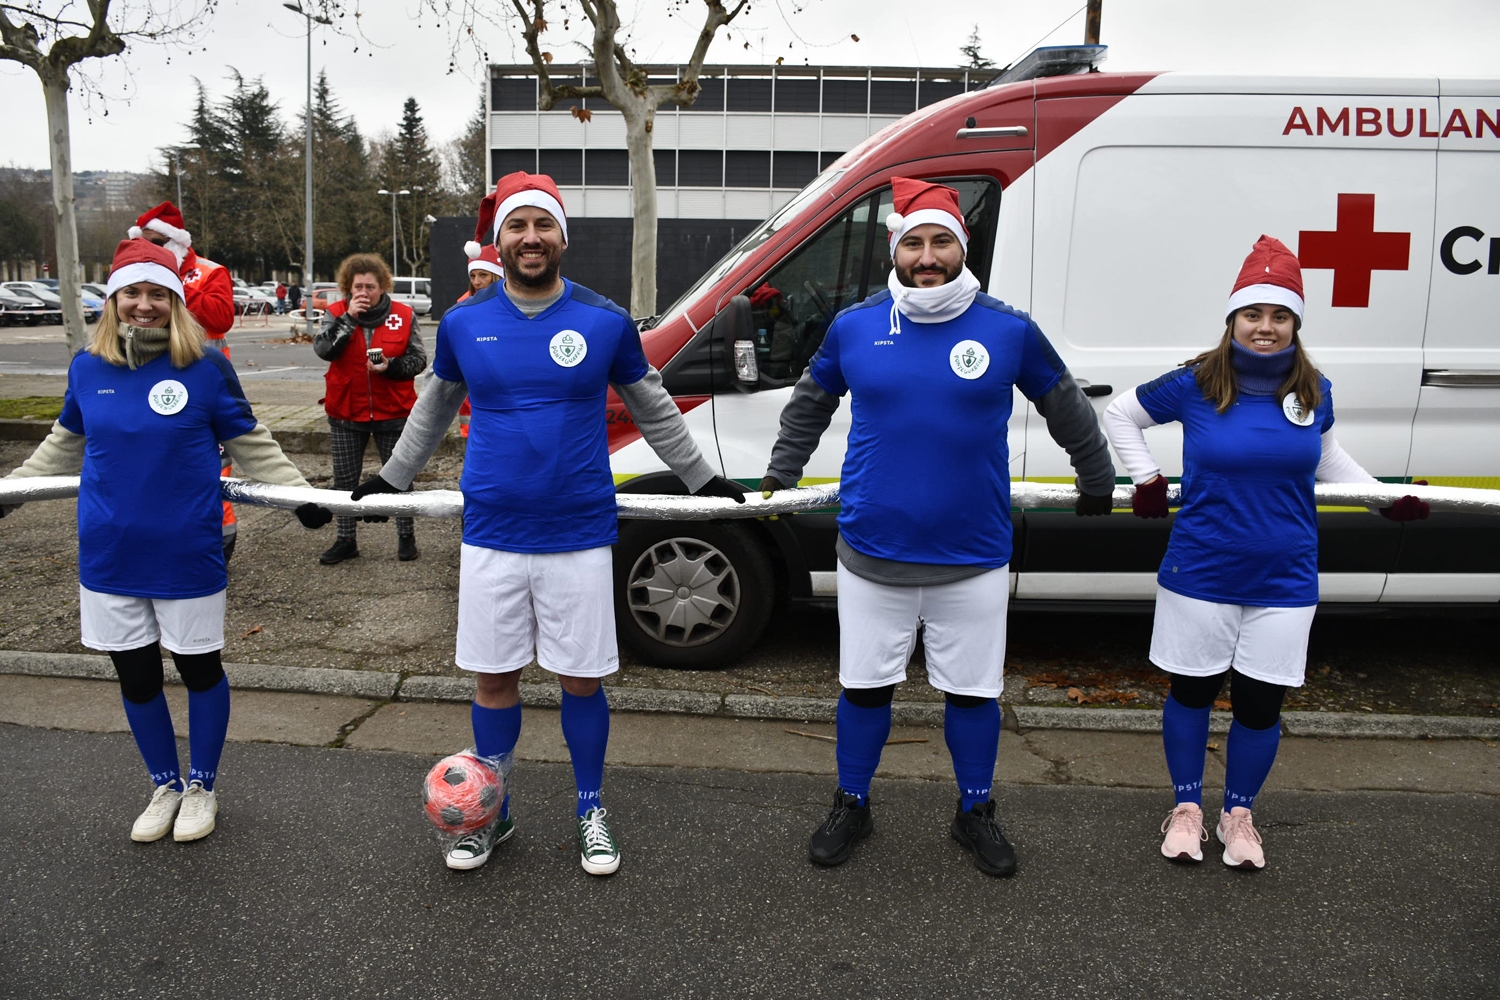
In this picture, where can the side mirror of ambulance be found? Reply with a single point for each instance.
(732, 327)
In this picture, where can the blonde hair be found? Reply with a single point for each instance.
(185, 336)
(1214, 371)
(363, 263)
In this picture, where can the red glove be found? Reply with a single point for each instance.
(1408, 508)
(1150, 499)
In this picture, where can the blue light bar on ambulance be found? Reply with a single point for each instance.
(1053, 60)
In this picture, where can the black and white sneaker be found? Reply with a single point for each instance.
(978, 832)
(473, 850)
(847, 824)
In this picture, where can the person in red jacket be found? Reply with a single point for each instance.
(374, 349)
(209, 294)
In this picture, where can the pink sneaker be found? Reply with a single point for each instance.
(1184, 830)
(1241, 840)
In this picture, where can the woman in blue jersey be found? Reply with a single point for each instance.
(145, 411)
(1239, 584)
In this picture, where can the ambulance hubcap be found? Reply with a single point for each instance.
(683, 592)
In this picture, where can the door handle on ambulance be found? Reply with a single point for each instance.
(997, 132)
(1462, 378)
(1095, 390)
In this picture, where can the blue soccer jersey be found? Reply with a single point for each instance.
(536, 474)
(1247, 532)
(149, 510)
(926, 475)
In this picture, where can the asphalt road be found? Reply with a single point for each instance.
(324, 881)
(41, 350)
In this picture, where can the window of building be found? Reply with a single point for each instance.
(749, 94)
(933, 91)
(747, 168)
(793, 170)
(571, 102)
(607, 166)
(508, 161)
(513, 93)
(700, 168)
(797, 94)
(825, 160)
(845, 97)
(666, 167)
(596, 103)
(893, 97)
(565, 166)
(711, 97)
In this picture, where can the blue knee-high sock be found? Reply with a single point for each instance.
(862, 733)
(585, 726)
(973, 736)
(208, 724)
(151, 725)
(1247, 762)
(1184, 736)
(496, 732)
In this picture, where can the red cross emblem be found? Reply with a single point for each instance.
(190, 275)
(1354, 250)
(393, 322)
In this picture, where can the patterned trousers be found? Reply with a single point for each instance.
(349, 440)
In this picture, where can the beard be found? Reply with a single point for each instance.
(908, 276)
(510, 262)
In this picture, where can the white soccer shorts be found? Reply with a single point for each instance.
(963, 637)
(113, 622)
(1201, 638)
(556, 606)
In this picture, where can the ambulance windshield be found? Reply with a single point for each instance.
(788, 212)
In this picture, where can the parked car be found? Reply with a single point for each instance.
(415, 292)
(93, 308)
(95, 289)
(254, 301)
(17, 309)
(47, 305)
(51, 283)
(324, 293)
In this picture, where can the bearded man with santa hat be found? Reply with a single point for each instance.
(537, 355)
(924, 528)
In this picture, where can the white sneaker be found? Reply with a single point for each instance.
(1236, 831)
(195, 820)
(601, 855)
(154, 823)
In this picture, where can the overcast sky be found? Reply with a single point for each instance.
(148, 94)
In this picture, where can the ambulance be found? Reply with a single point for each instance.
(1115, 209)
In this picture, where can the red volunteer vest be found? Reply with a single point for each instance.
(208, 293)
(355, 392)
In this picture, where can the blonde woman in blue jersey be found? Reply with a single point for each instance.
(145, 410)
(1239, 583)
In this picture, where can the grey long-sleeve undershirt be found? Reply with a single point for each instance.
(650, 406)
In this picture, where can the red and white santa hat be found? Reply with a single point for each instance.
(513, 191)
(138, 260)
(484, 258)
(918, 203)
(164, 219)
(1271, 275)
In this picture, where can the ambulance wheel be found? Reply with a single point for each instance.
(691, 595)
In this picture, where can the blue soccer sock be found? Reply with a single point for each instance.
(1247, 762)
(208, 725)
(151, 725)
(973, 736)
(862, 733)
(496, 733)
(1184, 736)
(585, 726)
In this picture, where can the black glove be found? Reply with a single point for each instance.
(1092, 505)
(718, 486)
(313, 516)
(770, 485)
(370, 487)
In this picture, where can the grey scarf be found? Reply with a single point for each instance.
(144, 344)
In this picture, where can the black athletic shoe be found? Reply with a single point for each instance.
(406, 549)
(978, 832)
(344, 548)
(847, 823)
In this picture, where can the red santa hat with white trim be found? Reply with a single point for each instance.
(484, 258)
(918, 203)
(164, 219)
(1271, 275)
(513, 191)
(138, 260)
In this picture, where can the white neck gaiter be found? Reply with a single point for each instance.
(931, 305)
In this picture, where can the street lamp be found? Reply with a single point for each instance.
(393, 195)
(177, 167)
(307, 234)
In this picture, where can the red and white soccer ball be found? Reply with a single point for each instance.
(462, 794)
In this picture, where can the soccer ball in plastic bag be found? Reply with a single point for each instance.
(462, 794)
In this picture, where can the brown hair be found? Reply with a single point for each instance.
(1214, 371)
(184, 343)
(363, 263)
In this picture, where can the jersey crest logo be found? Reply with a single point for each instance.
(393, 322)
(969, 359)
(167, 397)
(1296, 412)
(568, 348)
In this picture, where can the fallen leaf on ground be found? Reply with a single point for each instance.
(1074, 694)
(1222, 704)
(1213, 746)
(247, 634)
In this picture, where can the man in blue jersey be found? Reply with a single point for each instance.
(924, 529)
(536, 356)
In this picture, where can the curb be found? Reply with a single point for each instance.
(381, 685)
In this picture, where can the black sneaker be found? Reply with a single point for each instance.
(344, 548)
(406, 548)
(847, 823)
(978, 832)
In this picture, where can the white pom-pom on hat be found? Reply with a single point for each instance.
(472, 249)
(135, 232)
(894, 221)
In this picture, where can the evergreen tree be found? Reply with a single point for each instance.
(346, 213)
(974, 59)
(466, 180)
(408, 162)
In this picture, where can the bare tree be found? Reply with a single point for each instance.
(54, 37)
